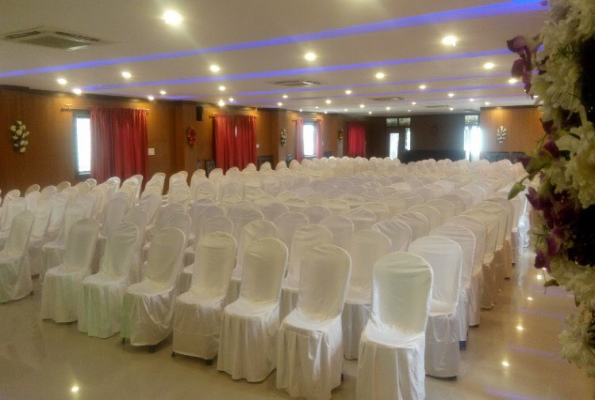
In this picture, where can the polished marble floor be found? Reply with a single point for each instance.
(513, 354)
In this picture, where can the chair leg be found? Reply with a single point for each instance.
(152, 349)
(209, 362)
(123, 340)
(463, 345)
(173, 353)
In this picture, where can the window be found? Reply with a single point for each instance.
(472, 138)
(309, 137)
(82, 143)
(407, 139)
(394, 145)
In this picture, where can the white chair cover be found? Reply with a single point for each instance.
(381, 210)
(304, 241)
(391, 356)
(361, 218)
(102, 294)
(442, 356)
(287, 224)
(198, 312)
(38, 238)
(60, 202)
(62, 284)
(432, 214)
(11, 210)
(309, 356)
(139, 218)
(395, 205)
(507, 257)
(115, 209)
(446, 209)
(150, 204)
(366, 247)
(62, 185)
(272, 211)
(411, 199)
(148, 306)
(466, 239)
(248, 343)
(53, 252)
(417, 222)
(398, 232)
(317, 213)
(15, 277)
(341, 228)
(457, 201)
(32, 199)
(243, 218)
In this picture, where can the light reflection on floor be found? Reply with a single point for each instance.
(48, 361)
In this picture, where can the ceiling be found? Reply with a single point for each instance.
(260, 42)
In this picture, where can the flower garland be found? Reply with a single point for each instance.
(190, 136)
(19, 134)
(283, 138)
(564, 161)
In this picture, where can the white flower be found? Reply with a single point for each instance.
(19, 123)
(19, 133)
(16, 145)
(22, 143)
(13, 128)
(15, 137)
(23, 149)
(26, 134)
(581, 168)
(23, 127)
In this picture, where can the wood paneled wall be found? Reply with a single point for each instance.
(523, 128)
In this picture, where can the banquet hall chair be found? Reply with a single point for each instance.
(310, 340)
(431, 213)
(417, 222)
(147, 309)
(101, 296)
(15, 277)
(287, 224)
(457, 201)
(446, 209)
(398, 232)
(62, 185)
(361, 218)
(392, 347)
(38, 238)
(274, 210)
(139, 218)
(62, 284)
(248, 341)
(11, 210)
(53, 252)
(115, 209)
(199, 311)
(317, 213)
(341, 228)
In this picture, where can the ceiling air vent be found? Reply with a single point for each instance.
(438, 107)
(53, 38)
(297, 83)
(388, 98)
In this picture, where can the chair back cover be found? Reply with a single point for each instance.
(18, 236)
(490, 221)
(466, 196)
(477, 193)
(432, 214)
(62, 185)
(213, 264)
(304, 240)
(243, 218)
(150, 204)
(205, 190)
(32, 199)
(501, 213)
(119, 250)
(317, 213)
(457, 201)
(466, 239)
(115, 210)
(361, 218)
(164, 213)
(80, 245)
(88, 201)
(337, 206)
(179, 220)
(165, 255)
(14, 208)
(401, 293)
(264, 265)
(446, 209)
(398, 232)
(419, 224)
(139, 218)
(381, 210)
(202, 215)
(253, 231)
(83, 188)
(411, 199)
(74, 213)
(395, 205)
(478, 228)
(508, 206)
(287, 224)
(274, 210)
(47, 193)
(446, 259)
(341, 227)
(367, 246)
(218, 223)
(42, 220)
(321, 298)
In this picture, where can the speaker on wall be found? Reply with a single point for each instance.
(199, 113)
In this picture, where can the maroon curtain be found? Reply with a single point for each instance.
(225, 141)
(318, 138)
(356, 139)
(119, 143)
(299, 139)
(245, 141)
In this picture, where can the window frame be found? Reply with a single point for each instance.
(76, 115)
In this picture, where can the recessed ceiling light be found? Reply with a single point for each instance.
(535, 96)
(539, 277)
(279, 104)
(62, 81)
(487, 103)
(449, 40)
(489, 65)
(221, 103)
(126, 75)
(512, 81)
(151, 98)
(505, 363)
(413, 103)
(215, 68)
(451, 95)
(345, 110)
(285, 96)
(387, 108)
(162, 92)
(519, 328)
(316, 107)
(348, 91)
(328, 101)
(231, 99)
(74, 389)
(301, 110)
(530, 298)
(77, 91)
(472, 100)
(408, 110)
(310, 56)
(172, 18)
(362, 105)
(380, 75)
(369, 112)
(326, 112)
(422, 87)
(222, 88)
(451, 109)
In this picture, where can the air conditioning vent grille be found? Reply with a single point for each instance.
(438, 106)
(297, 83)
(388, 98)
(53, 38)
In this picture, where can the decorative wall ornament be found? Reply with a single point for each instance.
(20, 136)
(283, 137)
(190, 136)
(340, 135)
(501, 134)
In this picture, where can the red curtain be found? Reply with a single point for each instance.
(356, 139)
(119, 143)
(318, 138)
(224, 141)
(299, 139)
(245, 141)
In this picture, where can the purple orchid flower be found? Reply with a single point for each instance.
(552, 148)
(517, 44)
(533, 198)
(541, 260)
(554, 243)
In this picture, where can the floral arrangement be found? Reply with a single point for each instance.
(283, 138)
(340, 135)
(564, 161)
(20, 136)
(190, 136)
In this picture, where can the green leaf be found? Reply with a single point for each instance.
(517, 188)
(551, 282)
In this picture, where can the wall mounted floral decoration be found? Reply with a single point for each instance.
(340, 135)
(283, 138)
(501, 134)
(20, 136)
(190, 136)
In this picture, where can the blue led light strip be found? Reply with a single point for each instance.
(512, 7)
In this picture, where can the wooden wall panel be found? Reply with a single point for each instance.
(437, 132)
(522, 125)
